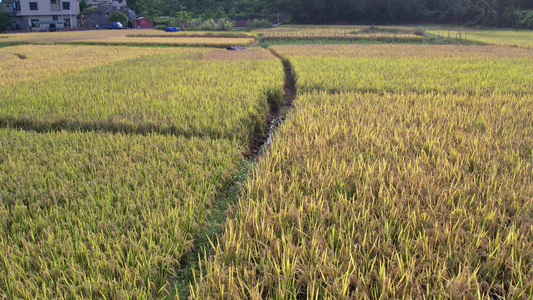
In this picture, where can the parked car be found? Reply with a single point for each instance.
(114, 25)
(52, 27)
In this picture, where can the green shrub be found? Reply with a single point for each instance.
(258, 23)
(419, 32)
(5, 21)
(117, 16)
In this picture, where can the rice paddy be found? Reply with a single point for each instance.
(95, 215)
(130, 37)
(417, 187)
(28, 62)
(385, 196)
(397, 172)
(410, 68)
(166, 93)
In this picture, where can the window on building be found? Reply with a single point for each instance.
(33, 6)
(66, 5)
(53, 1)
(35, 23)
(16, 6)
(67, 22)
(55, 18)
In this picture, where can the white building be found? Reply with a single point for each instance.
(39, 14)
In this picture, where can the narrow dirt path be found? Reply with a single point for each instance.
(278, 113)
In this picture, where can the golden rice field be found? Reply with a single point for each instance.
(99, 215)
(520, 38)
(382, 195)
(29, 62)
(400, 193)
(167, 93)
(171, 41)
(400, 171)
(310, 30)
(109, 170)
(341, 32)
(250, 54)
(411, 68)
(129, 37)
(205, 34)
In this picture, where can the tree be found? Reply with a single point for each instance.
(117, 16)
(84, 5)
(5, 21)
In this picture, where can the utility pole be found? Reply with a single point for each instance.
(70, 14)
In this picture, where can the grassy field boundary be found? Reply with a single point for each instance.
(214, 227)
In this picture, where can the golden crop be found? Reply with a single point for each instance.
(63, 36)
(127, 37)
(398, 51)
(310, 30)
(341, 32)
(251, 54)
(29, 62)
(521, 38)
(217, 34)
(100, 215)
(403, 196)
(167, 93)
(451, 69)
(110, 208)
(426, 192)
(403, 172)
(167, 41)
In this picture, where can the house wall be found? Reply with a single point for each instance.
(141, 23)
(46, 12)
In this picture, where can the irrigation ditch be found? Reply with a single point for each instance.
(220, 212)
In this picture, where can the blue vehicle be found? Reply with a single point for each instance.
(114, 25)
(172, 29)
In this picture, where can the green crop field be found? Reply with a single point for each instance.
(377, 165)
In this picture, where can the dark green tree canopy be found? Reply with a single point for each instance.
(117, 16)
(5, 21)
(497, 13)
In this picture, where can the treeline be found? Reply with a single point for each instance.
(490, 13)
